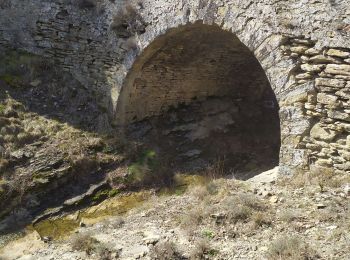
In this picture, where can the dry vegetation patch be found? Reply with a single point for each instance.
(291, 248)
(90, 245)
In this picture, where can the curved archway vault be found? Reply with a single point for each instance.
(197, 95)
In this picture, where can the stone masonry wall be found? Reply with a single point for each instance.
(325, 103)
(301, 45)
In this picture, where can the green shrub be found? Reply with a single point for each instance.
(147, 170)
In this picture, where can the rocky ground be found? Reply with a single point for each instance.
(263, 218)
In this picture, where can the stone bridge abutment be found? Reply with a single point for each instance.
(208, 57)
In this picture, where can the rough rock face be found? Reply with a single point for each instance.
(302, 46)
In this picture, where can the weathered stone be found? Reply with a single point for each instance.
(312, 68)
(299, 49)
(326, 99)
(339, 115)
(345, 94)
(323, 59)
(297, 97)
(338, 53)
(335, 83)
(304, 76)
(312, 51)
(324, 162)
(338, 69)
(321, 133)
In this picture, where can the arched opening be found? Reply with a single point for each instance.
(198, 95)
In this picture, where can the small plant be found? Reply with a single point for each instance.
(199, 192)
(201, 249)
(2, 109)
(90, 245)
(216, 170)
(148, 170)
(165, 251)
(208, 234)
(322, 176)
(239, 213)
(260, 219)
(212, 188)
(289, 215)
(82, 163)
(84, 243)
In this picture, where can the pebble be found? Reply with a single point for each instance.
(320, 206)
(347, 189)
(332, 227)
(274, 199)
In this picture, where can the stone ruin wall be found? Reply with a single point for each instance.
(303, 46)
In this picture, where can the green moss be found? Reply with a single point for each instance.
(2, 108)
(100, 195)
(61, 227)
(208, 234)
(113, 192)
(56, 228)
(116, 205)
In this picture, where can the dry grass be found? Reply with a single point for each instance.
(90, 245)
(231, 209)
(165, 251)
(84, 243)
(202, 250)
(289, 215)
(321, 177)
(82, 163)
(215, 170)
(261, 219)
(191, 220)
(199, 191)
(290, 248)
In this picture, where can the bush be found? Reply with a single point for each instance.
(201, 249)
(289, 215)
(84, 243)
(90, 245)
(290, 248)
(165, 251)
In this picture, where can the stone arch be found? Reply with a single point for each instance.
(184, 49)
(206, 71)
